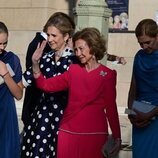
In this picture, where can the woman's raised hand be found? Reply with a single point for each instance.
(38, 52)
(36, 58)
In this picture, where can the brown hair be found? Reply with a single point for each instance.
(62, 22)
(3, 28)
(146, 27)
(94, 39)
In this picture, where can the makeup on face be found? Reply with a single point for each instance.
(56, 39)
(83, 52)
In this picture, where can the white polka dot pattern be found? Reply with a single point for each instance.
(40, 136)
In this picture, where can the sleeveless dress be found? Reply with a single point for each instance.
(9, 130)
(145, 71)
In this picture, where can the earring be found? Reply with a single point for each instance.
(65, 43)
(93, 57)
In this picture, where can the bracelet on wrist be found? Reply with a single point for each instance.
(4, 74)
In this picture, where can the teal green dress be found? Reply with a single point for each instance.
(145, 70)
(9, 131)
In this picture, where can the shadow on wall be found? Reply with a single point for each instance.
(72, 4)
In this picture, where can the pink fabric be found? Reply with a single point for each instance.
(89, 94)
(80, 146)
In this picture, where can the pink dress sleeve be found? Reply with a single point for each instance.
(111, 108)
(53, 84)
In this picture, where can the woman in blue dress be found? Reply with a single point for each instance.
(40, 135)
(144, 87)
(10, 88)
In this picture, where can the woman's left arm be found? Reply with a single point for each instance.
(15, 88)
(111, 107)
(112, 113)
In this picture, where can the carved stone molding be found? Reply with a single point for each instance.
(93, 3)
(92, 11)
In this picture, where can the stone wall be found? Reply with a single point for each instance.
(25, 17)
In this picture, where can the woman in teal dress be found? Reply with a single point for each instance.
(144, 87)
(10, 88)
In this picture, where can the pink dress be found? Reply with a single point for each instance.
(91, 106)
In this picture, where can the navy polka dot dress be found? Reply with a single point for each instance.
(40, 136)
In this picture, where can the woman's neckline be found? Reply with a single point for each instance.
(94, 68)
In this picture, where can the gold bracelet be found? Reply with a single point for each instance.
(4, 74)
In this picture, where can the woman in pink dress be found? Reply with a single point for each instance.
(92, 98)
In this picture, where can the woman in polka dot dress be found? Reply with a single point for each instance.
(40, 136)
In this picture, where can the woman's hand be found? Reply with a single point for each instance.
(38, 52)
(141, 119)
(121, 60)
(3, 68)
(36, 58)
(15, 88)
(136, 121)
(117, 147)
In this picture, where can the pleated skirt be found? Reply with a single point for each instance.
(80, 146)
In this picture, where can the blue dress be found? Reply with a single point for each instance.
(40, 135)
(145, 70)
(9, 131)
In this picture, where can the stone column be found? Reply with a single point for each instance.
(93, 13)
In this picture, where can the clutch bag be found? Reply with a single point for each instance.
(141, 106)
(108, 146)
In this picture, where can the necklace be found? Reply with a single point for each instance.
(58, 54)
